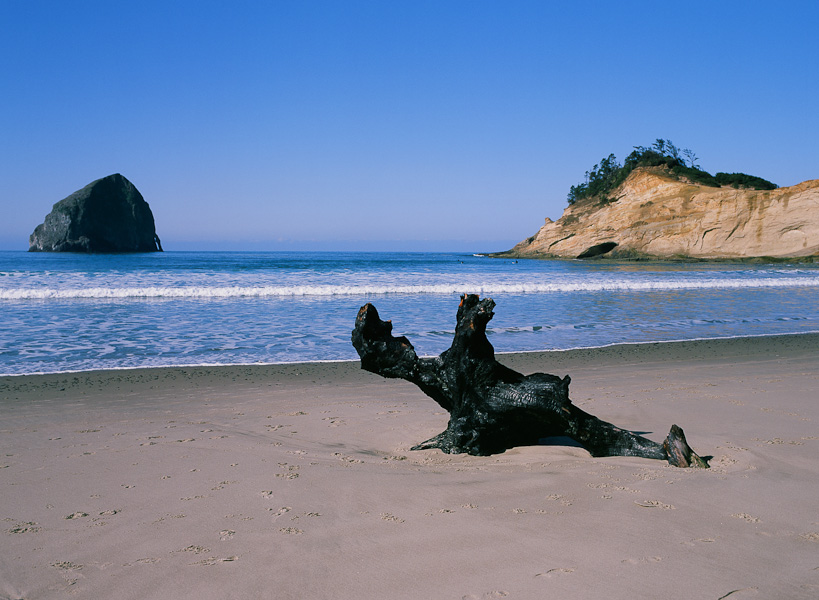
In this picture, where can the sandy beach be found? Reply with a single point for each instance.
(296, 481)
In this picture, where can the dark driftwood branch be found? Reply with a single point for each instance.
(493, 408)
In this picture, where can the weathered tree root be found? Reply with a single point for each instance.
(493, 408)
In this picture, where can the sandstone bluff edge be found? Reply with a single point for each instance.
(658, 217)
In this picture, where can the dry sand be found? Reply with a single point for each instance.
(296, 481)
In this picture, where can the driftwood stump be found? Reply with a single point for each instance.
(492, 407)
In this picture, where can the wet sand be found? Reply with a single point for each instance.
(296, 481)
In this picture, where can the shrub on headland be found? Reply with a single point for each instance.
(603, 178)
(741, 180)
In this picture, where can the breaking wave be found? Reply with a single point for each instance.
(204, 292)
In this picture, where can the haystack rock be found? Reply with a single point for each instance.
(656, 216)
(107, 215)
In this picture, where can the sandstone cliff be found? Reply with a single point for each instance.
(107, 215)
(656, 216)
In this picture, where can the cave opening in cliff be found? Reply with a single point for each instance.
(598, 250)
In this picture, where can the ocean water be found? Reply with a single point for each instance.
(69, 312)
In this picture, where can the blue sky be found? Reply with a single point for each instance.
(454, 125)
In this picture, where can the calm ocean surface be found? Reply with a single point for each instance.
(67, 312)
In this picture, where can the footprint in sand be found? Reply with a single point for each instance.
(283, 510)
(563, 500)
(390, 517)
(213, 560)
(558, 571)
(702, 541)
(65, 565)
(222, 485)
(69, 571)
(76, 515)
(655, 504)
(347, 459)
(642, 561)
(746, 517)
(26, 527)
(193, 549)
(226, 534)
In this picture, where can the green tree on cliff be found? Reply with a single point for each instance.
(603, 178)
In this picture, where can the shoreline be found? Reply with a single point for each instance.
(616, 348)
(297, 479)
(633, 257)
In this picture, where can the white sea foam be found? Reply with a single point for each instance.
(366, 290)
(61, 314)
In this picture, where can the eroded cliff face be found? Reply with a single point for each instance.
(656, 216)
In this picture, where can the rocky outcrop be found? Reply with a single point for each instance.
(107, 215)
(656, 216)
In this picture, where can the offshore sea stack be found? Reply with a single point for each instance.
(656, 216)
(107, 215)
